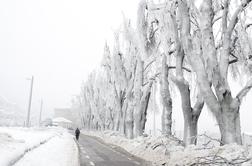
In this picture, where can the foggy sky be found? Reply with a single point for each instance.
(57, 41)
(60, 42)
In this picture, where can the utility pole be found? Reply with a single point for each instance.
(29, 106)
(40, 114)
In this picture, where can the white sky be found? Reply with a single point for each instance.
(60, 42)
(57, 41)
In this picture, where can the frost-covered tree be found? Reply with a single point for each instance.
(191, 113)
(191, 46)
(212, 39)
(211, 57)
(120, 68)
(171, 44)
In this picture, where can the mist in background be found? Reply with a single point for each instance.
(60, 42)
(57, 41)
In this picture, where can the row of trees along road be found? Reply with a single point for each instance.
(177, 43)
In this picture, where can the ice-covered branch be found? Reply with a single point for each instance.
(243, 92)
(234, 18)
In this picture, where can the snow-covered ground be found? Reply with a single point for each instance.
(60, 151)
(170, 151)
(48, 146)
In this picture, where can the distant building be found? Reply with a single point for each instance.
(47, 122)
(69, 114)
(63, 122)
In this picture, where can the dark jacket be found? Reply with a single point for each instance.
(77, 132)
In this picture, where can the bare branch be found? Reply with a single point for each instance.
(243, 92)
(216, 19)
(233, 55)
(247, 26)
(212, 139)
(152, 78)
(197, 108)
(155, 76)
(149, 64)
(194, 23)
(219, 160)
(145, 83)
(233, 61)
(234, 18)
(184, 68)
(224, 16)
(236, 58)
(156, 50)
(219, 45)
(224, 61)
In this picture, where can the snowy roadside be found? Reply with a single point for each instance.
(59, 151)
(16, 142)
(170, 151)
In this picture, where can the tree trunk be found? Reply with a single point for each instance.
(128, 109)
(118, 114)
(129, 122)
(137, 97)
(89, 122)
(191, 130)
(111, 126)
(141, 111)
(117, 120)
(145, 104)
(122, 122)
(186, 108)
(137, 122)
(190, 114)
(166, 99)
(229, 122)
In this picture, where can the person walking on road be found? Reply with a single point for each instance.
(77, 133)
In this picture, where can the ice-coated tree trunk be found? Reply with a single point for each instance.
(128, 108)
(229, 121)
(117, 118)
(230, 129)
(137, 97)
(141, 97)
(191, 115)
(129, 122)
(111, 126)
(144, 106)
(166, 99)
(118, 109)
(122, 122)
(88, 122)
(141, 111)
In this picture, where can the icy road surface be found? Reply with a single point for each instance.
(94, 152)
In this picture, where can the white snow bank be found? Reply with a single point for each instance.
(15, 142)
(170, 151)
(59, 151)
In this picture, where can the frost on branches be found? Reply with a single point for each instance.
(196, 47)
